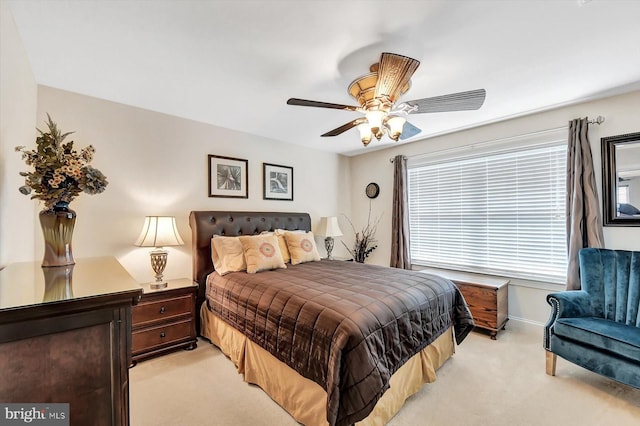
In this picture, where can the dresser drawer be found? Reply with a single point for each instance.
(155, 337)
(163, 309)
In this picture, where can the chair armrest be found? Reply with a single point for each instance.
(566, 304)
(570, 304)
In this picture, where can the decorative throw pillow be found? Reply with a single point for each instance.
(227, 254)
(302, 247)
(261, 253)
(282, 242)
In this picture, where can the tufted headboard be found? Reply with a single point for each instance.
(204, 224)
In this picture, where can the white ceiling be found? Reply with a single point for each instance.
(235, 63)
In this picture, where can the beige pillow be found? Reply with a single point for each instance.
(282, 243)
(302, 247)
(227, 254)
(261, 253)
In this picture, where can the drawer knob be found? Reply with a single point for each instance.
(162, 309)
(162, 334)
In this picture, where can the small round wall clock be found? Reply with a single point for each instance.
(372, 190)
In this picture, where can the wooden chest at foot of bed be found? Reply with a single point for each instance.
(487, 298)
(164, 320)
(487, 303)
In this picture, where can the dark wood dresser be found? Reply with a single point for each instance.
(65, 337)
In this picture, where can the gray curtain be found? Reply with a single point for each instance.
(400, 257)
(584, 224)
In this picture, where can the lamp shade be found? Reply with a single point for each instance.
(395, 124)
(329, 227)
(365, 133)
(159, 231)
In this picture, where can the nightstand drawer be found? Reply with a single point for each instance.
(164, 320)
(160, 310)
(150, 338)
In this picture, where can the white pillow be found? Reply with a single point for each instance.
(227, 254)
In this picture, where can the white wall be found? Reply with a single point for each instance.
(156, 164)
(526, 300)
(17, 127)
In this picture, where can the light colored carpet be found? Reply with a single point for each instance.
(487, 382)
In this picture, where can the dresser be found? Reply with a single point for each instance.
(164, 320)
(65, 337)
(487, 298)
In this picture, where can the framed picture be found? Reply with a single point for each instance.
(228, 177)
(277, 181)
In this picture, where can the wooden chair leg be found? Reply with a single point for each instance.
(551, 363)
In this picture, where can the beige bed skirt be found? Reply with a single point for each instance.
(304, 399)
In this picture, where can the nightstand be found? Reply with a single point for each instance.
(164, 320)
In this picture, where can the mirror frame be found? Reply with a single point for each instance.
(609, 187)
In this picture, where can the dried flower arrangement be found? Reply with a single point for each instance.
(60, 173)
(365, 241)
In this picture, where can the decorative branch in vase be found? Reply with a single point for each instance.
(60, 173)
(365, 241)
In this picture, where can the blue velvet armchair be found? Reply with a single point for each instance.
(598, 327)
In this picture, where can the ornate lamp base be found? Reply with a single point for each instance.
(158, 263)
(328, 244)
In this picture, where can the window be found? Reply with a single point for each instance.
(623, 194)
(500, 213)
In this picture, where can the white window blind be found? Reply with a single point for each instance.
(501, 213)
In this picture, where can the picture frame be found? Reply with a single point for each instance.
(277, 182)
(228, 177)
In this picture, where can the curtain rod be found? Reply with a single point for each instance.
(598, 120)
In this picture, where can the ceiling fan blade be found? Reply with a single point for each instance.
(394, 73)
(409, 131)
(461, 101)
(305, 102)
(350, 125)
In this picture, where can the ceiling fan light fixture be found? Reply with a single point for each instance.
(365, 133)
(377, 94)
(395, 124)
(363, 88)
(374, 117)
(394, 75)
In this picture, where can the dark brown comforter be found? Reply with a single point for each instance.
(346, 326)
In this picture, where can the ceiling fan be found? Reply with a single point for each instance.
(377, 94)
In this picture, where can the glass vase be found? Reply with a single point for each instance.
(57, 228)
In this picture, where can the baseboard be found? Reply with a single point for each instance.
(517, 320)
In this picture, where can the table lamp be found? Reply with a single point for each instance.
(158, 232)
(329, 228)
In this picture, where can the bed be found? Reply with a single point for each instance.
(332, 342)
